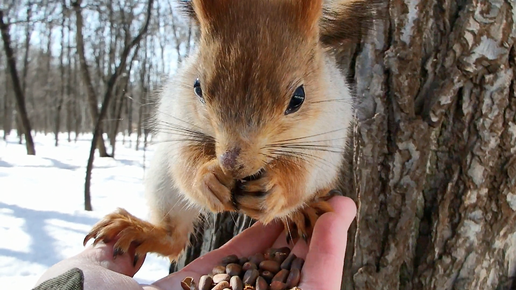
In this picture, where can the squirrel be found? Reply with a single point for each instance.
(257, 120)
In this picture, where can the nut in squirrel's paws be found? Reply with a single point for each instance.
(300, 224)
(213, 187)
(129, 230)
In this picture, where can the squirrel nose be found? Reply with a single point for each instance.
(228, 160)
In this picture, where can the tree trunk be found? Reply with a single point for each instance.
(60, 98)
(86, 78)
(28, 36)
(129, 114)
(8, 107)
(434, 163)
(118, 117)
(18, 93)
(141, 113)
(214, 232)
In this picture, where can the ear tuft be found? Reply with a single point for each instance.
(348, 20)
(311, 11)
(207, 11)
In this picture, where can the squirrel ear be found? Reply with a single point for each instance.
(207, 10)
(311, 11)
(201, 11)
(348, 20)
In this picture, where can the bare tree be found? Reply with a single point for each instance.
(108, 95)
(18, 92)
(86, 77)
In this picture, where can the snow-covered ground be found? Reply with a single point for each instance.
(42, 220)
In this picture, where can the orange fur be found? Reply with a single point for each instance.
(127, 229)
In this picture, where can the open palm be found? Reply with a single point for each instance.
(324, 256)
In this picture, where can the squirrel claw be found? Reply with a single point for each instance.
(301, 223)
(136, 259)
(288, 238)
(117, 252)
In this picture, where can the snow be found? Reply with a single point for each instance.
(42, 220)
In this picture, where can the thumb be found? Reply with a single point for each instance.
(124, 263)
(325, 256)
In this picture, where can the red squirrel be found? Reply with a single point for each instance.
(256, 121)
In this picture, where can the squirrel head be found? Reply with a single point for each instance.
(259, 76)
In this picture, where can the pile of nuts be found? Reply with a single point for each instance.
(277, 269)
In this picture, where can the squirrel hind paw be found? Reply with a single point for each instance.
(301, 223)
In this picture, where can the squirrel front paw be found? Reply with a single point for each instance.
(263, 199)
(129, 230)
(214, 187)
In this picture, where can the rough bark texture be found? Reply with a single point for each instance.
(434, 164)
(435, 148)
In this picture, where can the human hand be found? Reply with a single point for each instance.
(324, 257)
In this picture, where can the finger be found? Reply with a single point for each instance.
(281, 241)
(251, 241)
(124, 263)
(327, 249)
(300, 249)
(100, 269)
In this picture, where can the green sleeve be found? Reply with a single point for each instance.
(71, 280)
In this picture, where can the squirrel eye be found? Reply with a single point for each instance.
(198, 91)
(297, 100)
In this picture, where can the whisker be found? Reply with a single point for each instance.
(320, 148)
(183, 134)
(308, 142)
(170, 124)
(162, 112)
(233, 218)
(311, 136)
(180, 140)
(288, 227)
(310, 159)
(303, 156)
(347, 101)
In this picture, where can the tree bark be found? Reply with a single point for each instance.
(18, 93)
(434, 148)
(433, 155)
